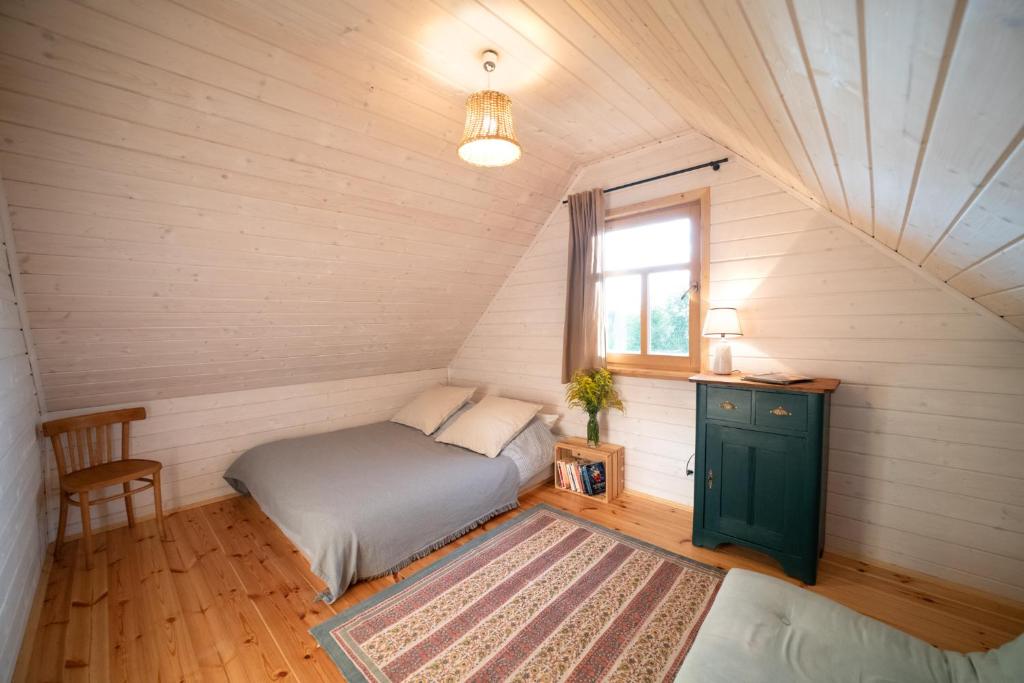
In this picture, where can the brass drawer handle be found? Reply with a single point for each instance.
(779, 411)
(727, 405)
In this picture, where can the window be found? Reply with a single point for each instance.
(652, 267)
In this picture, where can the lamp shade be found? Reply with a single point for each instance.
(722, 322)
(489, 138)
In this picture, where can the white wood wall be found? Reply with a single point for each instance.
(22, 526)
(905, 117)
(927, 441)
(218, 196)
(198, 437)
(212, 196)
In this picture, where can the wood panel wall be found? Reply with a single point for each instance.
(219, 196)
(198, 437)
(22, 525)
(927, 443)
(905, 118)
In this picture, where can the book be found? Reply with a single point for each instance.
(581, 476)
(570, 475)
(778, 378)
(595, 476)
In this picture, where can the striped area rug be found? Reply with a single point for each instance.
(545, 597)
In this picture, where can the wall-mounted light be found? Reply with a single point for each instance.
(489, 138)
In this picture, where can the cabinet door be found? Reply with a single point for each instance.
(755, 485)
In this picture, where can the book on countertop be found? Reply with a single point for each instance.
(778, 378)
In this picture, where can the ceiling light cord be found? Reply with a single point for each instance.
(490, 64)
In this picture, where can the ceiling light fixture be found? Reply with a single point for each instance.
(489, 138)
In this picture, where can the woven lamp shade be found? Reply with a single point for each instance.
(489, 138)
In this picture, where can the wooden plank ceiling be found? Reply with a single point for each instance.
(904, 118)
(210, 196)
(218, 195)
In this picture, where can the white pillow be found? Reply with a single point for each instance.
(427, 411)
(549, 420)
(489, 425)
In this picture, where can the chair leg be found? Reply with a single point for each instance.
(129, 506)
(83, 498)
(62, 524)
(158, 505)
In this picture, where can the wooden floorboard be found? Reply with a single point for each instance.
(227, 597)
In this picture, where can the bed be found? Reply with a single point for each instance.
(366, 501)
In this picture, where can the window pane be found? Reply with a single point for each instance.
(668, 306)
(622, 314)
(654, 244)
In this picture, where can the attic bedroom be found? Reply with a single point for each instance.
(512, 340)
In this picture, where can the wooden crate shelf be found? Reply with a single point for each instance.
(574, 449)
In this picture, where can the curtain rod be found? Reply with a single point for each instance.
(715, 165)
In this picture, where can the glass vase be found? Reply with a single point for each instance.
(593, 430)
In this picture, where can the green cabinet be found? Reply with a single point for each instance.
(761, 462)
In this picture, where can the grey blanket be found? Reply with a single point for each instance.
(366, 501)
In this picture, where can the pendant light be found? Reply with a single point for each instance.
(489, 138)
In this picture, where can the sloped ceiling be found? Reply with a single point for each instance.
(904, 118)
(211, 196)
(219, 195)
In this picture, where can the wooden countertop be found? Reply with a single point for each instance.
(818, 385)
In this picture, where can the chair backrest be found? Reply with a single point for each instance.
(88, 440)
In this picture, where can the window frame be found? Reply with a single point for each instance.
(645, 364)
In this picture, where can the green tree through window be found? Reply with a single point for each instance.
(652, 262)
(670, 327)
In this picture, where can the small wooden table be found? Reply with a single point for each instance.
(574, 449)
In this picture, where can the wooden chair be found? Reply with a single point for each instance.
(84, 448)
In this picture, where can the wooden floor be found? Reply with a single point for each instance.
(228, 598)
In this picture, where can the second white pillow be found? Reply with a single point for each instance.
(488, 426)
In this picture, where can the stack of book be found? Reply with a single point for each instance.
(582, 477)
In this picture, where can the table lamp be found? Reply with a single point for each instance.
(722, 323)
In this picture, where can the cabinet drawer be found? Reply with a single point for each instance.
(780, 411)
(729, 404)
